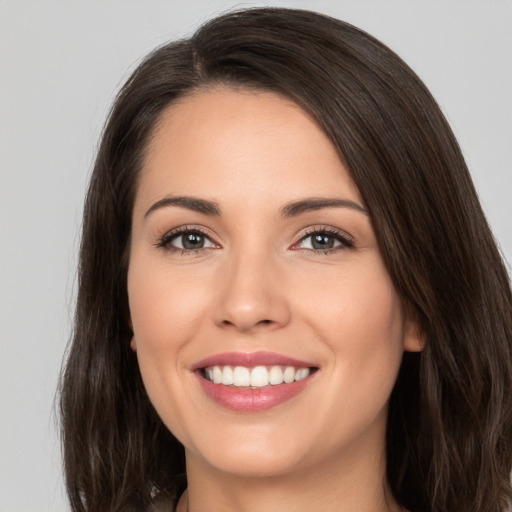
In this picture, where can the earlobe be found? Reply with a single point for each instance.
(133, 344)
(414, 337)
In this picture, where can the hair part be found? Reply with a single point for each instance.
(449, 436)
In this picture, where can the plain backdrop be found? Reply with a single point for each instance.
(60, 66)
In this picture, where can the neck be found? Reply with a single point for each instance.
(346, 483)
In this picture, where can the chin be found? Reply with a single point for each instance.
(256, 465)
(259, 453)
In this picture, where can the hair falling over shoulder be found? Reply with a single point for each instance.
(449, 434)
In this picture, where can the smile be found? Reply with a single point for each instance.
(253, 382)
(257, 377)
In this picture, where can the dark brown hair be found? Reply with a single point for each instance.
(449, 440)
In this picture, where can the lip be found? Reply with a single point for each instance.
(251, 359)
(245, 399)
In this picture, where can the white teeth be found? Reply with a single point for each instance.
(227, 376)
(275, 375)
(241, 376)
(289, 374)
(302, 373)
(257, 377)
(217, 375)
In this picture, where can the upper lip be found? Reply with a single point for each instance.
(251, 359)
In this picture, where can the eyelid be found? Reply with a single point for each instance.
(164, 240)
(346, 240)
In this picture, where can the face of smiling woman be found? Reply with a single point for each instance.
(251, 248)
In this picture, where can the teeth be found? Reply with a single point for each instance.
(217, 375)
(241, 376)
(289, 374)
(257, 377)
(227, 376)
(302, 373)
(276, 375)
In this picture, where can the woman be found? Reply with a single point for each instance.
(289, 297)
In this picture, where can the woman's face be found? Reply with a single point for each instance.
(253, 260)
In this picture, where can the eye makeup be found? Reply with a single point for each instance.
(325, 239)
(192, 240)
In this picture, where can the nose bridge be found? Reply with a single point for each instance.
(250, 293)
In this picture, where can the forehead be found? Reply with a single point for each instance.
(241, 143)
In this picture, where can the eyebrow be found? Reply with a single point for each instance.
(190, 203)
(292, 209)
(307, 205)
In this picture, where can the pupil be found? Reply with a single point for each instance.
(322, 242)
(193, 241)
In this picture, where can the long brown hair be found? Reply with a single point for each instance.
(449, 436)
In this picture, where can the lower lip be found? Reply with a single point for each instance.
(252, 399)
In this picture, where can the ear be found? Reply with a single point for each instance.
(133, 344)
(414, 336)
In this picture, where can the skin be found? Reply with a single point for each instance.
(259, 284)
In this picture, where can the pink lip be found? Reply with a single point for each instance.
(252, 400)
(250, 360)
(249, 399)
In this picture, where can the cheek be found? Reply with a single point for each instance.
(164, 306)
(165, 310)
(358, 315)
(352, 302)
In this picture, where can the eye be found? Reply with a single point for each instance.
(326, 240)
(186, 240)
(190, 240)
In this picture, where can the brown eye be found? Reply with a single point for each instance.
(186, 240)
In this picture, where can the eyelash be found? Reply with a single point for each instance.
(165, 241)
(346, 242)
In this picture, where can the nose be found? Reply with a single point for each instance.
(252, 295)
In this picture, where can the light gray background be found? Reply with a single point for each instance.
(60, 65)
